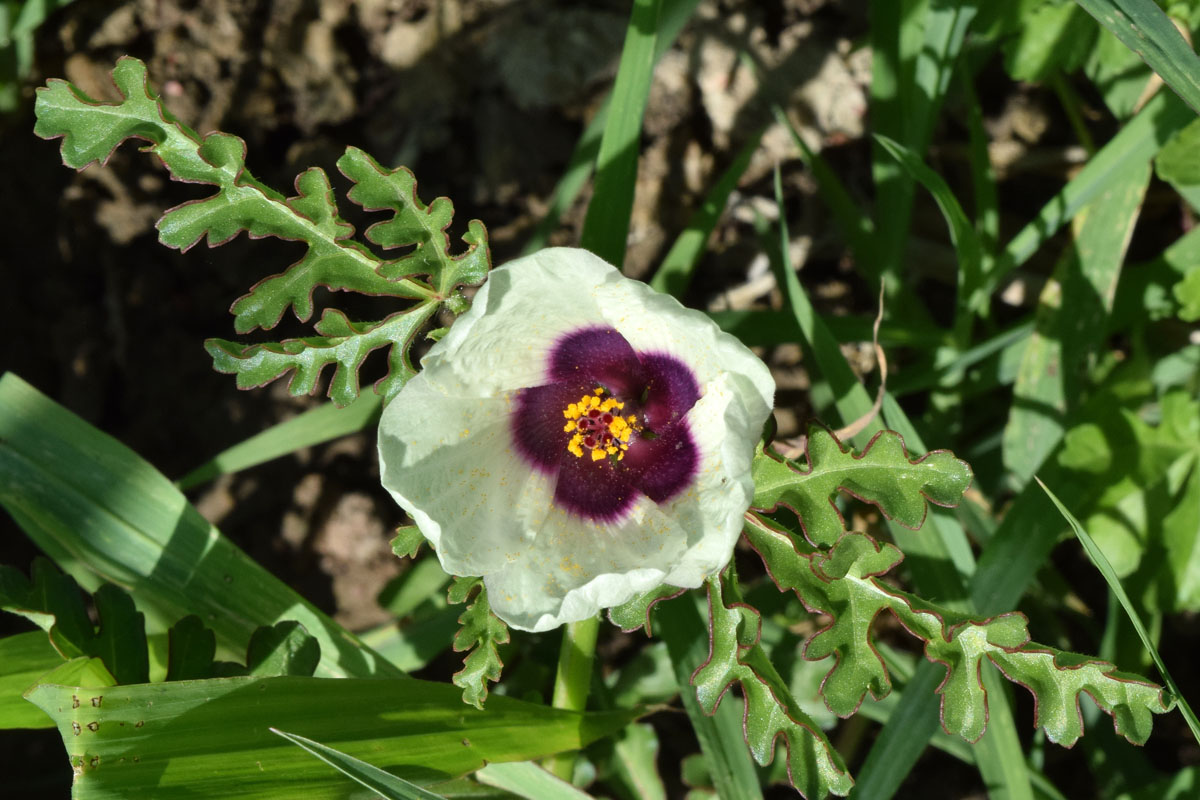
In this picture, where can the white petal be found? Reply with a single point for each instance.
(447, 454)
(501, 343)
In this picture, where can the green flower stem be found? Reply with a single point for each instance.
(573, 680)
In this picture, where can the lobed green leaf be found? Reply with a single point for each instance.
(843, 583)
(814, 767)
(414, 223)
(882, 475)
(635, 614)
(480, 633)
(91, 130)
(345, 344)
(54, 601)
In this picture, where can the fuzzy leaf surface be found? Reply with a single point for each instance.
(90, 130)
(344, 344)
(882, 474)
(814, 767)
(843, 582)
(635, 614)
(480, 632)
(413, 223)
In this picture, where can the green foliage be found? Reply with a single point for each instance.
(92, 130)
(636, 613)
(55, 602)
(480, 633)
(407, 541)
(882, 474)
(212, 738)
(844, 583)
(814, 767)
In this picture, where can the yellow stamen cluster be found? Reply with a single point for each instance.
(597, 426)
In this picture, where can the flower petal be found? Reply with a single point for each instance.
(670, 389)
(503, 342)
(537, 421)
(600, 355)
(662, 467)
(594, 490)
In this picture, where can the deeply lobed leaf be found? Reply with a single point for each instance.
(91, 130)
(814, 767)
(54, 601)
(480, 633)
(882, 474)
(414, 223)
(843, 583)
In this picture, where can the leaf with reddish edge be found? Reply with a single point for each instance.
(345, 344)
(414, 223)
(91, 130)
(635, 614)
(1056, 679)
(882, 475)
(843, 582)
(481, 631)
(814, 767)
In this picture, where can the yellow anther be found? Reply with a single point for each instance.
(570, 426)
(597, 454)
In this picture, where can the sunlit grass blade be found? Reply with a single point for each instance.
(1138, 140)
(581, 165)
(950, 372)
(850, 397)
(377, 780)
(526, 779)
(24, 657)
(962, 232)
(675, 272)
(1071, 322)
(580, 168)
(213, 737)
(104, 514)
(321, 424)
(1114, 585)
(1143, 27)
(606, 227)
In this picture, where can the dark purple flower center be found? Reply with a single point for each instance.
(608, 424)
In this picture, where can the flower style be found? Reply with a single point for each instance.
(577, 439)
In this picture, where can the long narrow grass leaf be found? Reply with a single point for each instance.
(526, 779)
(377, 780)
(675, 272)
(1143, 27)
(1138, 140)
(104, 514)
(1114, 585)
(606, 227)
(318, 425)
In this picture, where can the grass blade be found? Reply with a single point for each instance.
(104, 514)
(675, 272)
(1072, 321)
(1114, 585)
(526, 779)
(212, 738)
(606, 227)
(1143, 27)
(315, 426)
(372, 777)
(1138, 140)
